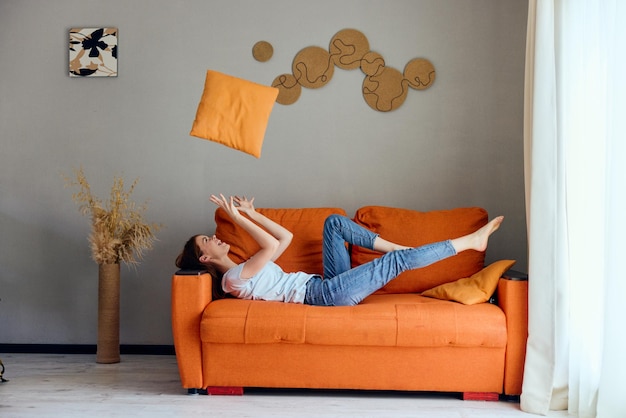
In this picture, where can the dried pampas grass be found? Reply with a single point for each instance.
(118, 230)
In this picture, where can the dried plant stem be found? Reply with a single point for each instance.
(118, 230)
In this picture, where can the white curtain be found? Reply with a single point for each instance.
(575, 168)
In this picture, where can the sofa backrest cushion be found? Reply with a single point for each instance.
(413, 228)
(305, 251)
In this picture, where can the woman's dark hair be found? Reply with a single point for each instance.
(189, 259)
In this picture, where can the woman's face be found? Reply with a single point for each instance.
(211, 247)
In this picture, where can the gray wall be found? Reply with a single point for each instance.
(458, 143)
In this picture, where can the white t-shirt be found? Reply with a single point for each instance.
(271, 284)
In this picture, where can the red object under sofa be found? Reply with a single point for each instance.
(396, 339)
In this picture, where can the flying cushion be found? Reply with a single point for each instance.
(234, 112)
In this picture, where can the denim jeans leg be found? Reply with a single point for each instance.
(352, 286)
(339, 230)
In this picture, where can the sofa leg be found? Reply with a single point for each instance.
(225, 390)
(195, 391)
(481, 396)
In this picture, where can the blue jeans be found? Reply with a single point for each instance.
(345, 286)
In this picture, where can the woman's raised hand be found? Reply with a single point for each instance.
(227, 204)
(244, 204)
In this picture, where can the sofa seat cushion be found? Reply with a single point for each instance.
(403, 320)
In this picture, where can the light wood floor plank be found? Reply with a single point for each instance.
(68, 386)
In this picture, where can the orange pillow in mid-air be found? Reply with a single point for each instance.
(234, 112)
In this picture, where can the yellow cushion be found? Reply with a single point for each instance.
(234, 112)
(475, 289)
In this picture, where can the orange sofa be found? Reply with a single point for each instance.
(396, 339)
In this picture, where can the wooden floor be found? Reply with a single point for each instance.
(46, 385)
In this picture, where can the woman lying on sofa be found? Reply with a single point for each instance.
(260, 278)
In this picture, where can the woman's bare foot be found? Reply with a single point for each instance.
(483, 234)
(477, 240)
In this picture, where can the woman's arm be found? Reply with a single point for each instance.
(282, 234)
(271, 246)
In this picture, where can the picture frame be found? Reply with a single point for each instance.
(93, 52)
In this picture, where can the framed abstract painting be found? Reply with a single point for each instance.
(93, 52)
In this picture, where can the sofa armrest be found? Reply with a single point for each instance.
(513, 300)
(191, 293)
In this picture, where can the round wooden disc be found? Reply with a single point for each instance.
(372, 63)
(348, 47)
(420, 73)
(386, 91)
(288, 89)
(262, 51)
(313, 67)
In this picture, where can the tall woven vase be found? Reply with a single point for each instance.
(108, 350)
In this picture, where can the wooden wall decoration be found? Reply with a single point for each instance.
(348, 47)
(384, 88)
(262, 51)
(313, 67)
